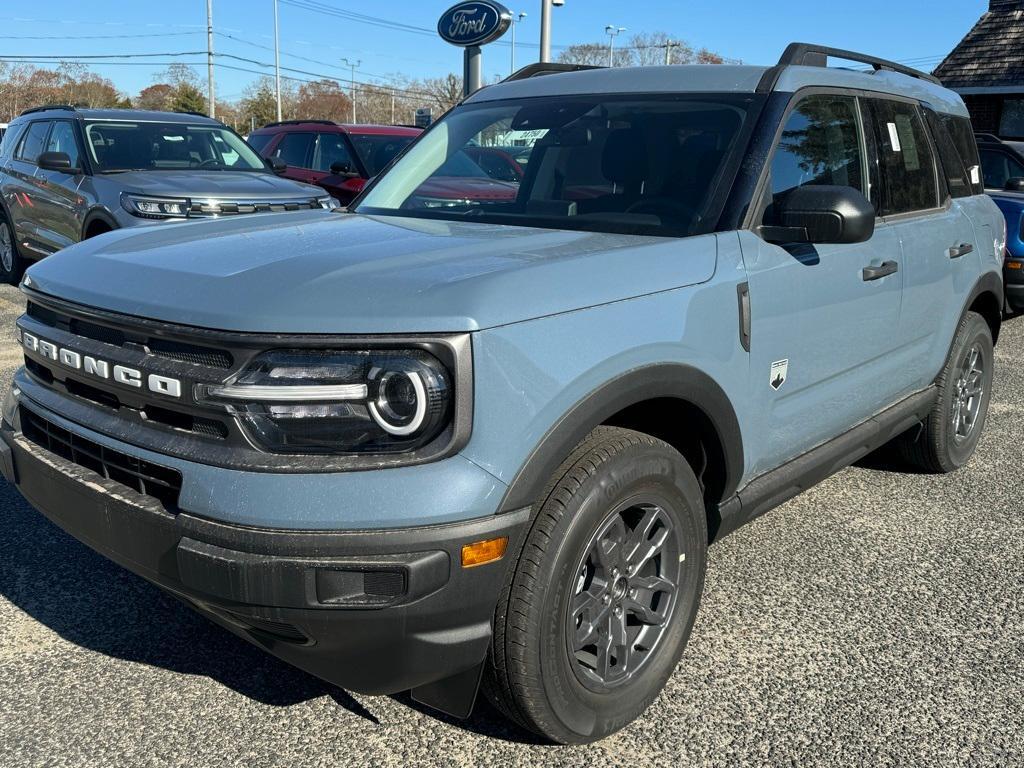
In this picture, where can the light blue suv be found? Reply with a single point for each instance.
(435, 443)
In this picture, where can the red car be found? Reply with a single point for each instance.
(339, 158)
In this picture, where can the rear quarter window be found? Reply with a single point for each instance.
(962, 133)
(958, 180)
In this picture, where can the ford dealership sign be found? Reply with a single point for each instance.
(472, 23)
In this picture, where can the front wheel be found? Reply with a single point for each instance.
(951, 432)
(604, 595)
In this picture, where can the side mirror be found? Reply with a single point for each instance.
(822, 215)
(341, 168)
(56, 161)
(1015, 184)
(277, 165)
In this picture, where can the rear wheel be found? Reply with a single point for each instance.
(603, 598)
(951, 432)
(12, 265)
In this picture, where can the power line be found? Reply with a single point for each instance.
(96, 37)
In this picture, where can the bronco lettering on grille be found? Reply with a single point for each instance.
(102, 369)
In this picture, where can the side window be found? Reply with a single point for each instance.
(957, 179)
(908, 176)
(998, 168)
(32, 145)
(295, 149)
(962, 132)
(62, 139)
(330, 149)
(10, 138)
(820, 144)
(259, 141)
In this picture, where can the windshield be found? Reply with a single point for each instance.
(124, 146)
(644, 165)
(376, 151)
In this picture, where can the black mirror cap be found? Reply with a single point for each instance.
(1015, 184)
(277, 165)
(56, 161)
(822, 215)
(341, 168)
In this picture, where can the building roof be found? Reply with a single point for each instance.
(991, 56)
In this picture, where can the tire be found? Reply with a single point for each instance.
(553, 678)
(940, 447)
(12, 263)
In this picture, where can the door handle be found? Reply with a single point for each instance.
(882, 270)
(960, 250)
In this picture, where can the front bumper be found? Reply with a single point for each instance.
(373, 611)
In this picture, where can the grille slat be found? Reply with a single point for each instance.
(143, 477)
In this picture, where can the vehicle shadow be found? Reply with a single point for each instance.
(90, 601)
(96, 604)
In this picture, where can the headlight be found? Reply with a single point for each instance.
(156, 207)
(328, 202)
(336, 402)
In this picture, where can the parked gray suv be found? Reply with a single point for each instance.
(434, 442)
(67, 174)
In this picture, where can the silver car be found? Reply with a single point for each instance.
(67, 174)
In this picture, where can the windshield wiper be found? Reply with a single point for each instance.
(125, 170)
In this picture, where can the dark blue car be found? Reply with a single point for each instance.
(1002, 163)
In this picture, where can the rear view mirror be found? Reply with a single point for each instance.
(1015, 184)
(823, 215)
(56, 161)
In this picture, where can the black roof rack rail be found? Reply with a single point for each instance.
(45, 107)
(546, 68)
(299, 122)
(986, 137)
(811, 55)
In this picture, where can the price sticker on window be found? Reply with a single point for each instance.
(894, 137)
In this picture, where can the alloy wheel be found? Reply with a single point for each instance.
(625, 592)
(970, 390)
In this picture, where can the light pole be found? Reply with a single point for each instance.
(515, 21)
(277, 63)
(353, 65)
(612, 31)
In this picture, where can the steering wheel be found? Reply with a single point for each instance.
(663, 206)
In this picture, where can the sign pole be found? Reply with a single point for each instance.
(473, 70)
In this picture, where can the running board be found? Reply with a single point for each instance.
(777, 486)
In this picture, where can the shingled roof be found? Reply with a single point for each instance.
(992, 54)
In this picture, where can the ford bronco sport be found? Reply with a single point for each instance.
(486, 444)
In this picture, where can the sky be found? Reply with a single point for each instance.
(391, 37)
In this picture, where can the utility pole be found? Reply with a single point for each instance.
(515, 22)
(669, 45)
(612, 31)
(545, 30)
(209, 58)
(394, 97)
(353, 65)
(277, 62)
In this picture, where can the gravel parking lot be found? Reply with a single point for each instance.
(877, 620)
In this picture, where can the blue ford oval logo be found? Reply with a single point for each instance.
(474, 23)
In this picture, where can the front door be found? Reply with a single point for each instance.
(824, 317)
(60, 207)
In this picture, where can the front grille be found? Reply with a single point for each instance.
(144, 477)
(202, 208)
(174, 350)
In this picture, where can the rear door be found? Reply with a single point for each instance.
(936, 237)
(822, 316)
(295, 150)
(23, 187)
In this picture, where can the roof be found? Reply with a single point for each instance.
(121, 114)
(320, 125)
(719, 78)
(992, 53)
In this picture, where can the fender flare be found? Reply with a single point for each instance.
(990, 282)
(93, 215)
(665, 380)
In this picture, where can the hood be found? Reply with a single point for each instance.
(231, 185)
(318, 272)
